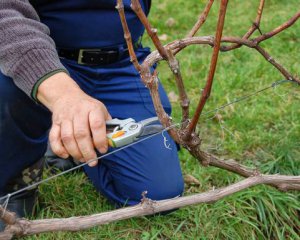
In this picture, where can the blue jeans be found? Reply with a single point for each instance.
(121, 177)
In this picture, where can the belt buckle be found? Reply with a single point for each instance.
(80, 56)
(81, 51)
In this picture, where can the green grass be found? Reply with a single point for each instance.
(263, 132)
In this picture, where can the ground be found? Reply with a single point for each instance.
(263, 132)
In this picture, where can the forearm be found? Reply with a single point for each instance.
(29, 57)
(27, 53)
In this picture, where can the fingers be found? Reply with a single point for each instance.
(62, 142)
(56, 143)
(83, 138)
(107, 116)
(68, 140)
(98, 130)
(79, 127)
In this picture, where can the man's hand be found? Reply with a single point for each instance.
(78, 120)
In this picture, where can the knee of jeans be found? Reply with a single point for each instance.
(166, 190)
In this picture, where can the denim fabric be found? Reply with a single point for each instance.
(121, 177)
(88, 24)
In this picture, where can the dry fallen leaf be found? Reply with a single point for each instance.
(173, 97)
(218, 117)
(190, 180)
(170, 22)
(163, 37)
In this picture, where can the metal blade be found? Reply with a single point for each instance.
(149, 121)
(151, 129)
(120, 123)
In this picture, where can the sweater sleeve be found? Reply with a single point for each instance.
(27, 53)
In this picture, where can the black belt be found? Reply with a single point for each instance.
(95, 57)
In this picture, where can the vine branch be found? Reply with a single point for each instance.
(212, 69)
(201, 19)
(252, 29)
(186, 135)
(24, 227)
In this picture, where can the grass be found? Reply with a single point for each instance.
(263, 132)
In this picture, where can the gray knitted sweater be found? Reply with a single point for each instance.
(27, 53)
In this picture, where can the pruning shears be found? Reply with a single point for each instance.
(126, 131)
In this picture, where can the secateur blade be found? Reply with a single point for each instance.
(128, 131)
(151, 129)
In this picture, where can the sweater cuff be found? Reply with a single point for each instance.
(34, 66)
(42, 79)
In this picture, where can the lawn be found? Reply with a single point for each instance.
(263, 132)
